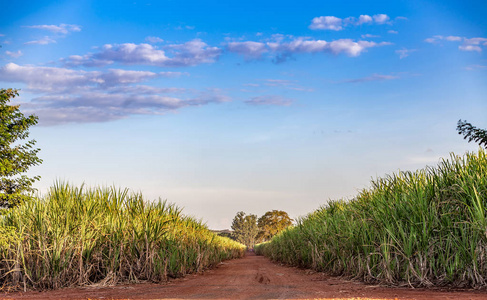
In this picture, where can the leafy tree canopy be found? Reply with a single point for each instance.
(472, 133)
(271, 223)
(15, 157)
(245, 228)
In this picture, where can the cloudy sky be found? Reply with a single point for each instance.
(222, 106)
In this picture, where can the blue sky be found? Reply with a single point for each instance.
(256, 105)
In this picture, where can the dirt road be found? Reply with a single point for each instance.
(253, 277)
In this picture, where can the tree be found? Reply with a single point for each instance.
(15, 157)
(472, 133)
(245, 228)
(271, 223)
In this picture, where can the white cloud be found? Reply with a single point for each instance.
(188, 54)
(365, 36)
(62, 28)
(433, 40)
(326, 23)
(43, 41)
(476, 67)
(470, 48)
(47, 79)
(335, 23)
(381, 18)
(97, 106)
(392, 32)
(154, 39)
(364, 19)
(403, 53)
(270, 100)
(284, 49)
(118, 76)
(453, 38)
(476, 41)
(352, 48)
(185, 27)
(51, 79)
(14, 54)
(373, 77)
(66, 95)
(279, 82)
(248, 49)
(468, 44)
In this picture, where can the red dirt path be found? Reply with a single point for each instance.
(252, 277)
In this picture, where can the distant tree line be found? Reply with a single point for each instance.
(249, 230)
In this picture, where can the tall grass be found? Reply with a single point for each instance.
(421, 228)
(75, 236)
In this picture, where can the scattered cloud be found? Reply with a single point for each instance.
(96, 106)
(43, 41)
(453, 38)
(365, 36)
(185, 27)
(154, 39)
(50, 79)
(282, 48)
(337, 24)
(381, 18)
(191, 53)
(373, 77)
(251, 84)
(59, 30)
(279, 83)
(66, 95)
(270, 100)
(476, 67)
(403, 53)
(326, 23)
(468, 44)
(62, 28)
(14, 54)
(347, 46)
(248, 49)
(364, 19)
(392, 32)
(470, 48)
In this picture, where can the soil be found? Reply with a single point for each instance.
(252, 277)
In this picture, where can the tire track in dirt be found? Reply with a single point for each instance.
(252, 277)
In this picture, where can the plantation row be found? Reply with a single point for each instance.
(423, 228)
(75, 237)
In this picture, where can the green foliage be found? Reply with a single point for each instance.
(245, 228)
(271, 223)
(74, 236)
(418, 228)
(15, 158)
(224, 233)
(472, 133)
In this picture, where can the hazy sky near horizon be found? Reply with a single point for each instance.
(226, 106)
